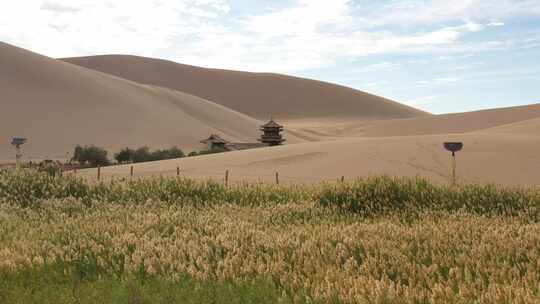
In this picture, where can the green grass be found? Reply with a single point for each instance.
(27, 188)
(66, 240)
(53, 286)
(412, 196)
(370, 197)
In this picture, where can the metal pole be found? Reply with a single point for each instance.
(453, 169)
(17, 156)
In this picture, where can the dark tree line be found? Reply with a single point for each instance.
(144, 154)
(91, 156)
(96, 156)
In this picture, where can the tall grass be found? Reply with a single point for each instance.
(410, 196)
(377, 240)
(369, 197)
(27, 188)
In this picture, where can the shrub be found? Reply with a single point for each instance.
(206, 152)
(170, 153)
(124, 156)
(91, 155)
(51, 168)
(143, 154)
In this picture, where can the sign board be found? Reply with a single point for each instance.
(17, 141)
(453, 146)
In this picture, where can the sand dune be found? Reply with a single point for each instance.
(258, 95)
(495, 158)
(530, 126)
(58, 105)
(518, 120)
(451, 123)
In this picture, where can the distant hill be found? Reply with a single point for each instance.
(58, 105)
(258, 95)
(502, 118)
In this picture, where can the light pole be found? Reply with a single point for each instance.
(453, 147)
(17, 142)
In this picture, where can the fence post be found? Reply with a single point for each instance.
(226, 178)
(342, 179)
(131, 171)
(277, 178)
(99, 173)
(178, 171)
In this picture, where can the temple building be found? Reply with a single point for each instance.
(215, 142)
(271, 137)
(272, 133)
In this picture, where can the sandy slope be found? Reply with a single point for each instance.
(531, 127)
(452, 123)
(506, 159)
(518, 120)
(58, 105)
(255, 94)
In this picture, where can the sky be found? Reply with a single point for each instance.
(437, 55)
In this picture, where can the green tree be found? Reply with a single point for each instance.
(170, 153)
(140, 155)
(91, 155)
(124, 156)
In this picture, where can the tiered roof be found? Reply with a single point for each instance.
(215, 139)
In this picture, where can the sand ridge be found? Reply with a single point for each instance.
(58, 105)
(486, 158)
(255, 94)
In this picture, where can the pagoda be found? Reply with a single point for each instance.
(215, 142)
(271, 133)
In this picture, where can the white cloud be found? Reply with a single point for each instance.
(381, 66)
(424, 100)
(77, 27)
(437, 81)
(425, 12)
(304, 35)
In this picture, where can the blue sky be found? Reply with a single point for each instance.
(440, 56)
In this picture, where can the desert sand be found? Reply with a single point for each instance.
(58, 105)
(258, 95)
(487, 158)
(332, 131)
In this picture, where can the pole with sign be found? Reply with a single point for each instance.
(453, 147)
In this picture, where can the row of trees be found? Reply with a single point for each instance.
(96, 156)
(144, 154)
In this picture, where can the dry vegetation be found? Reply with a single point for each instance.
(414, 243)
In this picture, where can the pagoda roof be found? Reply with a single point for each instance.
(272, 124)
(214, 138)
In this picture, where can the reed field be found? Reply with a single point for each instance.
(172, 240)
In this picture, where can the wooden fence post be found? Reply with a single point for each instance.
(178, 171)
(343, 179)
(99, 173)
(277, 178)
(226, 178)
(131, 171)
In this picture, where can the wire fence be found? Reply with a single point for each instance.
(227, 176)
